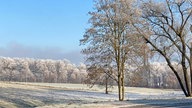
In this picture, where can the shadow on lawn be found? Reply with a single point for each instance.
(161, 103)
(29, 98)
(18, 102)
(17, 96)
(25, 98)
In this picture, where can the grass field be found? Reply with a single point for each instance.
(46, 95)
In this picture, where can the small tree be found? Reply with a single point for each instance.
(99, 75)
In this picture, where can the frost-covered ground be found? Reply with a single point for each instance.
(45, 95)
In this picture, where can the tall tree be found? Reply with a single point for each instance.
(165, 27)
(111, 36)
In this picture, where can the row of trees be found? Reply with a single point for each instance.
(37, 70)
(62, 71)
(129, 32)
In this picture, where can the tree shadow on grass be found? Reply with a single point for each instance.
(161, 103)
(18, 102)
(19, 97)
(23, 98)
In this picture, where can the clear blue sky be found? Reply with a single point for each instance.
(43, 28)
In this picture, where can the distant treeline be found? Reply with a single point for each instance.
(38, 70)
(63, 71)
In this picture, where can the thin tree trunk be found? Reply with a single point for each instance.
(123, 82)
(106, 85)
(123, 88)
(11, 76)
(191, 67)
(119, 88)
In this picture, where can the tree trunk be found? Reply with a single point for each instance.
(121, 88)
(11, 76)
(191, 66)
(184, 67)
(106, 85)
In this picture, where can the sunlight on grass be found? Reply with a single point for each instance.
(5, 104)
(79, 106)
(33, 102)
(54, 95)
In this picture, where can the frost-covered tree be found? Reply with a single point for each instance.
(38, 70)
(9, 68)
(24, 71)
(165, 25)
(70, 68)
(52, 77)
(61, 71)
(41, 71)
(112, 37)
(3, 73)
(82, 72)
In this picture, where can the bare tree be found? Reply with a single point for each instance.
(99, 75)
(165, 27)
(111, 35)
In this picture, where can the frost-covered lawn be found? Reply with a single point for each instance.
(46, 95)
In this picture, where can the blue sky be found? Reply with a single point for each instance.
(47, 29)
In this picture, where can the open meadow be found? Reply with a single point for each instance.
(48, 95)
